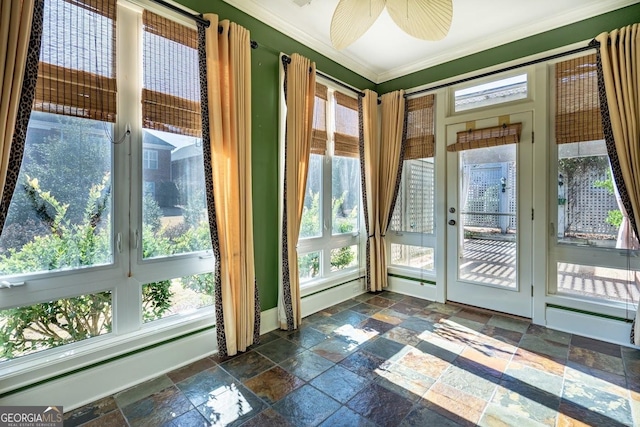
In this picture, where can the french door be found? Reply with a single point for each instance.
(490, 213)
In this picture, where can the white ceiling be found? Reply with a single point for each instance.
(385, 52)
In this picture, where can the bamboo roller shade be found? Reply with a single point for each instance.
(319, 133)
(346, 137)
(346, 140)
(420, 140)
(106, 8)
(169, 102)
(64, 85)
(487, 137)
(578, 116)
(155, 24)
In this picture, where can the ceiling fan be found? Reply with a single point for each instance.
(423, 19)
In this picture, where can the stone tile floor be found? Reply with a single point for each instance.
(390, 360)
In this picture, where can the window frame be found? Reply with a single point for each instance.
(419, 239)
(149, 159)
(559, 252)
(451, 91)
(328, 241)
(125, 276)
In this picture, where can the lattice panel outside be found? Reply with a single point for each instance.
(512, 200)
(483, 195)
(587, 205)
(414, 210)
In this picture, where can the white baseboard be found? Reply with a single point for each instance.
(269, 321)
(319, 301)
(412, 288)
(600, 328)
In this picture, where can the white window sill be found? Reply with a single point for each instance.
(318, 285)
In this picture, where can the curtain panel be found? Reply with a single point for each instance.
(225, 76)
(381, 165)
(619, 86)
(299, 92)
(20, 40)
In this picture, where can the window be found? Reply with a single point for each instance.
(412, 231)
(149, 159)
(491, 93)
(175, 219)
(330, 227)
(66, 245)
(587, 213)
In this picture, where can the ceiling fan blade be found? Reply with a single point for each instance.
(424, 19)
(351, 19)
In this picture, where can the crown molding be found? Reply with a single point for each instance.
(262, 14)
(510, 36)
(257, 11)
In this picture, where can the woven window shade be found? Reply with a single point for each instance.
(578, 116)
(319, 135)
(487, 137)
(77, 70)
(420, 140)
(346, 138)
(171, 82)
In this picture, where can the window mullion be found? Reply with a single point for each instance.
(327, 188)
(127, 296)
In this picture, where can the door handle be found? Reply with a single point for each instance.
(452, 222)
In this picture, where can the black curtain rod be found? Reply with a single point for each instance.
(592, 45)
(198, 18)
(287, 59)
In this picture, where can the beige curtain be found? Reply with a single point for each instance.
(369, 161)
(228, 81)
(382, 165)
(620, 77)
(300, 85)
(15, 32)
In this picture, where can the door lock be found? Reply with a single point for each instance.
(452, 222)
(452, 210)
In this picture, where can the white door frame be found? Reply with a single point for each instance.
(520, 300)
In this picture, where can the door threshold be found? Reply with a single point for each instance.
(486, 310)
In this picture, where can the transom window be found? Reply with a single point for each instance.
(491, 93)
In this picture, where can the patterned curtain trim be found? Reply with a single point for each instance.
(611, 146)
(286, 278)
(363, 175)
(211, 206)
(27, 95)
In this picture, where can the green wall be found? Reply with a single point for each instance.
(265, 98)
(562, 36)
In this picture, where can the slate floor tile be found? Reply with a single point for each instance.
(306, 406)
(90, 412)
(247, 365)
(339, 383)
(273, 385)
(159, 408)
(380, 405)
(307, 365)
(280, 350)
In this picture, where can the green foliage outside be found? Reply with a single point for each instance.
(614, 217)
(309, 264)
(72, 229)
